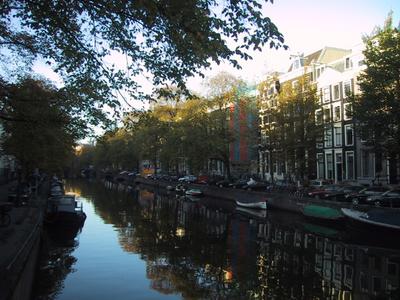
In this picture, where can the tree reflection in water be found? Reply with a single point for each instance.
(56, 262)
(204, 251)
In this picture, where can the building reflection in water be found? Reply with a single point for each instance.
(204, 251)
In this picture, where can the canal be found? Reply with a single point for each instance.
(143, 244)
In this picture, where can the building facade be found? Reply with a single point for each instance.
(341, 156)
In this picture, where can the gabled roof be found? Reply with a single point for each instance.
(323, 56)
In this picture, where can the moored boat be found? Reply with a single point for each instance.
(63, 211)
(255, 205)
(194, 192)
(321, 212)
(386, 219)
(248, 212)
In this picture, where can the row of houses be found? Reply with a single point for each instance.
(341, 155)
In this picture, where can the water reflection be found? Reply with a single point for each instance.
(56, 263)
(209, 250)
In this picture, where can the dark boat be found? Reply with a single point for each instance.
(384, 219)
(64, 212)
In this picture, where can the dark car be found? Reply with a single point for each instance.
(223, 183)
(343, 193)
(324, 191)
(238, 184)
(256, 186)
(281, 185)
(390, 198)
(213, 180)
(361, 196)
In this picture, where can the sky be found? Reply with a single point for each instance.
(307, 26)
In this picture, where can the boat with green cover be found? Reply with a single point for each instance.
(322, 212)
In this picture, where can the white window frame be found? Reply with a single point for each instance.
(347, 154)
(335, 118)
(345, 110)
(348, 63)
(326, 165)
(338, 89)
(317, 112)
(329, 119)
(326, 94)
(345, 134)
(328, 137)
(337, 131)
(347, 83)
(320, 160)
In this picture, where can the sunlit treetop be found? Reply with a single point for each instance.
(167, 40)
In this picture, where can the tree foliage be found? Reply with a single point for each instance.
(168, 40)
(377, 108)
(292, 132)
(42, 132)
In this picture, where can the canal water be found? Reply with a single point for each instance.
(143, 244)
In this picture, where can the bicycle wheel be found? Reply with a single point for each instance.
(5, 220)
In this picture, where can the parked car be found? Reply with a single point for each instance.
(390, 198)
(324, 191)
(255, 186)
(188, 179)
(361, 196)
(343, 193)
(280, 185)
(238, 184)
(223, 183)
(213, 180)
(202, 179)
(319, 183)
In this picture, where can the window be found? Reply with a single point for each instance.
(326, 96)
(367, 163)
(318, 73)
(329, 166)
(336, 113)
(318, 117)
(348, 63)
(336, 92)
(320, 142)
(320, 165)
(347, 88)
(350, 165)
(347, 111)
(349, 140)
(328, 137)
(327, 115)
(338, 135)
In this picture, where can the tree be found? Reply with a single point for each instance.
(377, 108)
(292, 131)
(169, 40)
(42, 133)
(222, 92)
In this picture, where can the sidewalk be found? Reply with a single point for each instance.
(4, 188)
(17, 239)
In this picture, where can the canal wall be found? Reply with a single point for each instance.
(19, 248)
(276, 200)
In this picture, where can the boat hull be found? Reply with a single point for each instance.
(365, 221)
(65, 219)
(253, 205)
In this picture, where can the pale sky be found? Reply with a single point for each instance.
(307, 26)
(311, 25)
